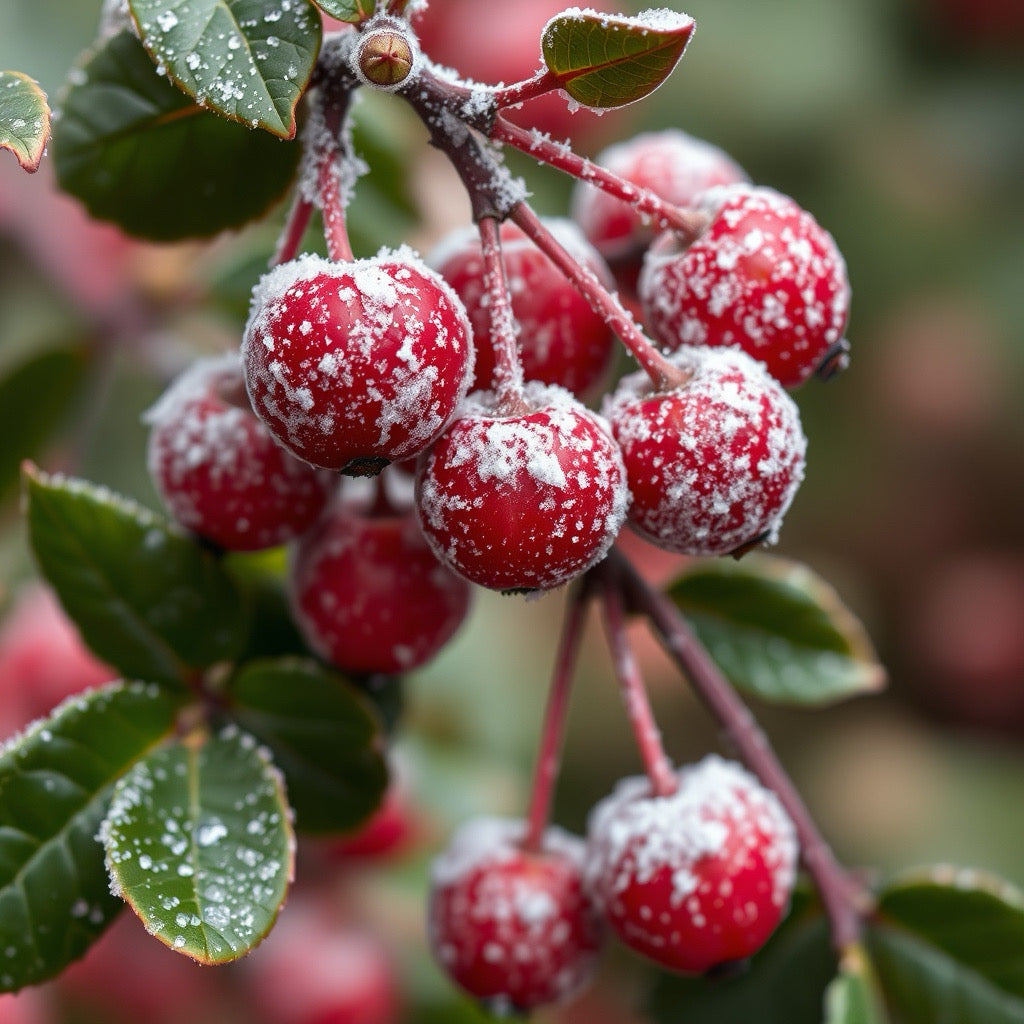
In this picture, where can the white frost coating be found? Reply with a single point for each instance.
(366, 359)
(764, 275)
(546, 488)
(492, 905)
(674, 165)
(714, 464)
(720, 812)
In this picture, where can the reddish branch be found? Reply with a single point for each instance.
(846, 902)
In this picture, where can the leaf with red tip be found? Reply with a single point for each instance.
(199, 842)
(608, 61)
(248, 60)
(24, 118)
(353, 11)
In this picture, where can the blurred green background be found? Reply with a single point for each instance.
(900, 125)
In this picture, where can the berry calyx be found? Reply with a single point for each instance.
(384, 57)
(352, 365)
(697, 878)
(369, 595)
(561, 339)
(513, 927)
(526, 501)
(218, 469)
(672, 164)
(764, 276)
(714, 464)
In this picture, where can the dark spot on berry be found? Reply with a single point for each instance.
(835, 360)
(364, 467)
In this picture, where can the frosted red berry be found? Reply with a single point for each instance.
(764, 276)
(561, 339)
(713, 464)
(353, 365)
(368, 593)
(514, 928)
(218, 469)
(698, 878)
(525, 501)
(673, 165)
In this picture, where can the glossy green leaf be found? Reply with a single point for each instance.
(325, 737)
(198, 841)
(34, 395)
(354, 11)
(55, 786)
(608, 61)
(24, 118)
(784, 983)
(148, 599)
(778, 631)
(853, 996)
(249, 60)
(949, 945)
(138, 152)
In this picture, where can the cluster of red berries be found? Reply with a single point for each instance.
(691, 879)
(351, 365)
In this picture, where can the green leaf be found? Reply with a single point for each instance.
(199, 842)
(949, 945)
(853, 996)
(147, 599)
(246, 59)
(138, 152)
(778, 631)
(24, 118)
(608, 61)
(55, 785)
(354, 11)
(34, 396)
(782, 984)
(325, 737)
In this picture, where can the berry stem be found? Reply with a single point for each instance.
(331, 201)
(688, 224)
(664, 376)
(295, 227)
(520, 92)
(555, 714)
(508, 368)
(846, 902)
(634, 694)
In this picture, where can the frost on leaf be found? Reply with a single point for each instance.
(606, 61)
(249, 61)
(199, 842)
(24, 118)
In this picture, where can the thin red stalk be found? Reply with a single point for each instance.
(549, 753)
(846, 903)
(294, 229)
(688, 224)
(662, 373)
(508, 367)
(634, 695)
(335, 228)
(520, 92)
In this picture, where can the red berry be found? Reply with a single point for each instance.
(369, 595)
(527, 501)
(713, 465)
(561, 339)
(764, 276)
(352, 365)
(698, 878)
(671, 164)
(514, 928)
(218, 469)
